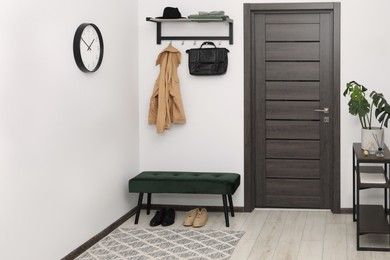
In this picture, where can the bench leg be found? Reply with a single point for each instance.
(225, 209)
(141, 195)
(148, 205)
(231, 204)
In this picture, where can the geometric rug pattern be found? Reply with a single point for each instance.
(164, 244)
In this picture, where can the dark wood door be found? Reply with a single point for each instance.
(293, 76)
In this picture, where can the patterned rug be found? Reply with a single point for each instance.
(164, 244)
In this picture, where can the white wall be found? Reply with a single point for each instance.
(68, 140)
(365, 51)
(213, 138)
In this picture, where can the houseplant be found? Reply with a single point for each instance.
(372, 137)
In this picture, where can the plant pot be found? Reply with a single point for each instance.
(368, 140)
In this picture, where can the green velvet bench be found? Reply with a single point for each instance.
(185, 182)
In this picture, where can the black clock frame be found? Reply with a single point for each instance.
(76, 47)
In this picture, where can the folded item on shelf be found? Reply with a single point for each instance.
(375, 178)
(197, 16)
(211, 13)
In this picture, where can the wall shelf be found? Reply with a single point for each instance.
(160, 37)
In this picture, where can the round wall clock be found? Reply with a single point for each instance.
(88, 47)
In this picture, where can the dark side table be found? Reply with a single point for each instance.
(370, 219)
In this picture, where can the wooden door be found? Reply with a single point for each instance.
(293, 76)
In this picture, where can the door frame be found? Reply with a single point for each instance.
(251, 106)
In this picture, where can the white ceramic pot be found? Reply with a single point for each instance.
(368, 140)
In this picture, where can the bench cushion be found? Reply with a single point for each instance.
(185, 182)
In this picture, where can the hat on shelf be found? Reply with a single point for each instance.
(171, 13)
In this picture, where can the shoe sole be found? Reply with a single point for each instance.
(199, 226)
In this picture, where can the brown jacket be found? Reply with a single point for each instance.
(166, 105)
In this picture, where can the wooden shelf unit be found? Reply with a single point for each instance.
(371, 219)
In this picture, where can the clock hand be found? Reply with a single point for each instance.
(86, 44)
(89, 47)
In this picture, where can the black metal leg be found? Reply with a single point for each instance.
(148, 203)
(386, 197)
(139, 205)
(225, 210)
(358, 208)
(385, 172)
(231, 204)
(353, 185)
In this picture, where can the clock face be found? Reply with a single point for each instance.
(88, 47)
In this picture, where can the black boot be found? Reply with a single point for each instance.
(169, 217)
(158, 217)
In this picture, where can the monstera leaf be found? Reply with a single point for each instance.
(382, 111)
(358, 104)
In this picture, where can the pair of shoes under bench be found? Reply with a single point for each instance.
(196, 218)
(165, 217)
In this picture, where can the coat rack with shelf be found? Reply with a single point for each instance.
(160, 37)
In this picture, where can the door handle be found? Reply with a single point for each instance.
(325, 110)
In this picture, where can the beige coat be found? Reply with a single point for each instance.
(166, 105)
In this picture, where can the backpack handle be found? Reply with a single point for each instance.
(208, 43)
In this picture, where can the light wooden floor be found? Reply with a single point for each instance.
(288, 234)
